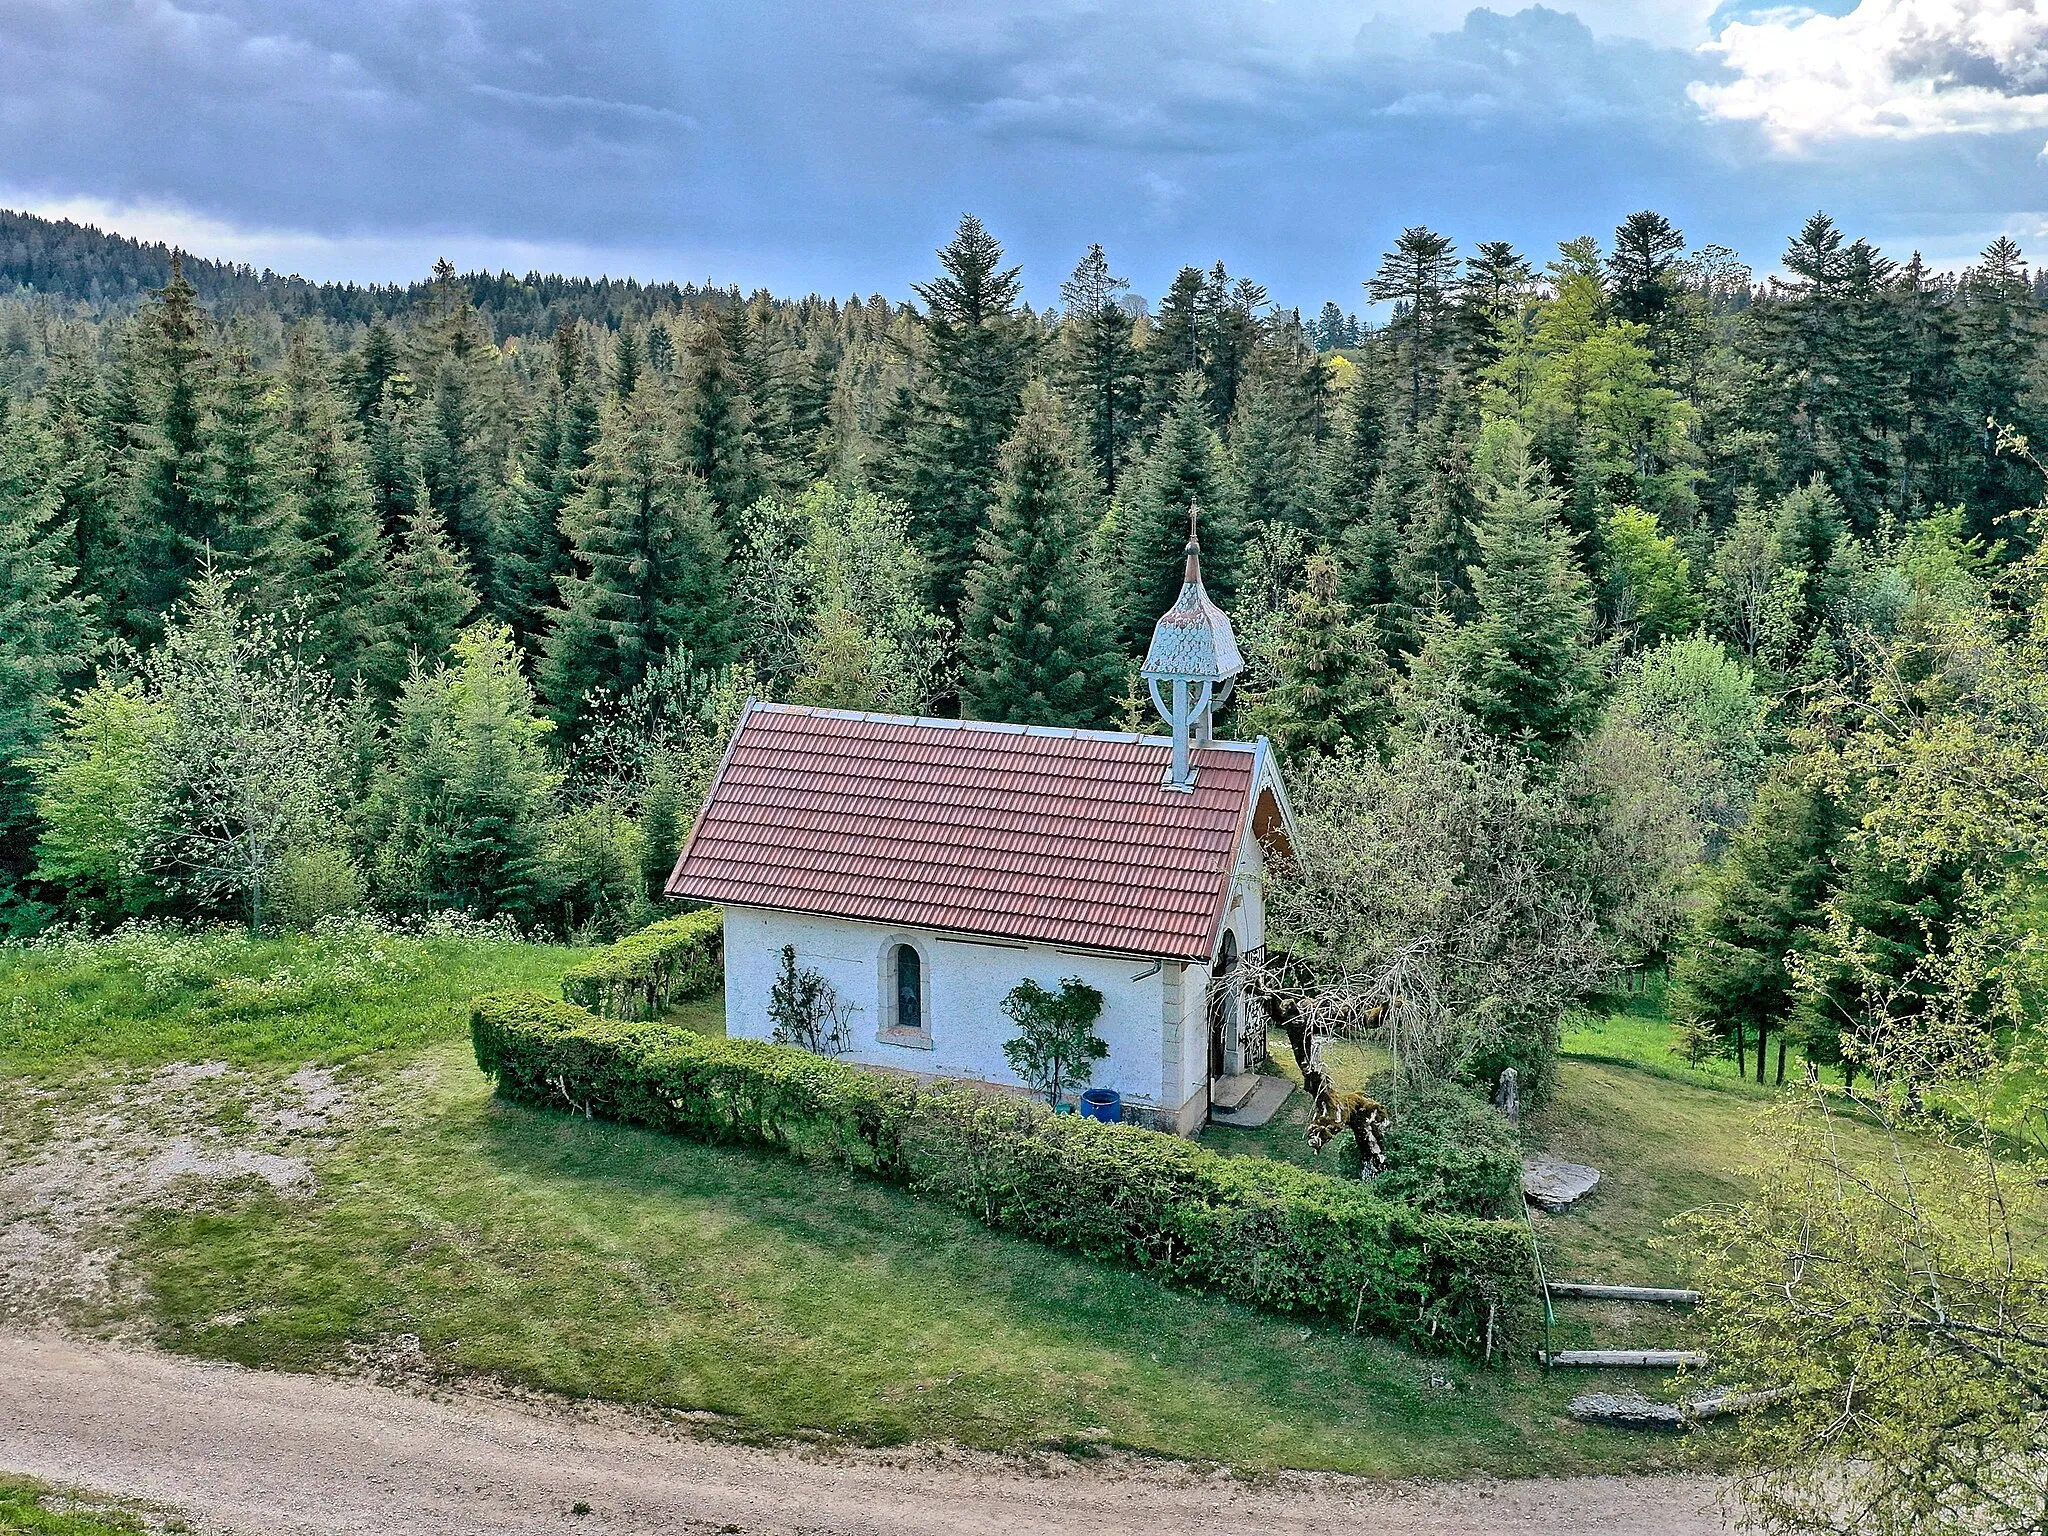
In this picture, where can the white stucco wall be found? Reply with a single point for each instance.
(965, 984)
(1154, 1017)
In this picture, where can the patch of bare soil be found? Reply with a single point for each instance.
(253, 1451)
(77, 1163)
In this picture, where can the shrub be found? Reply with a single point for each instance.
(642, 975)
(1263, 1233)
(1448, 1150)
(315, 883)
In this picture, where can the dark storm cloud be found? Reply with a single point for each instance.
(831, 146)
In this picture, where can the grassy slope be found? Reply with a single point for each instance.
(595, 1260)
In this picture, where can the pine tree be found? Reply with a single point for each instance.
(1184, 469)
(975, 353)
(45, 624)
(1036, 644)
(718, 430)
(328, 558)
(1491, 295)
(1523, 669)
(651, 562)
(426, 599)
(169, 522)
(1335, 686)
(1098, 370)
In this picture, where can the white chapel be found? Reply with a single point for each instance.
(924, 867)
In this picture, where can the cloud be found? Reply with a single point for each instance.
(1888, 69)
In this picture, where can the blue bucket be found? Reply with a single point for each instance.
(1104, 1104)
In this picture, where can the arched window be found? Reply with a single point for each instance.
(909, 989)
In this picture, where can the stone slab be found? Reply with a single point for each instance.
(1555, 1184)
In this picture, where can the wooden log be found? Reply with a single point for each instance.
(1596, 1292)
(1625, 1359)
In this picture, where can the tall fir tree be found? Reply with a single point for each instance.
(328, 557)
(169, 524)
(1037, 644)
(46, 629)
(1098, 366)
(651, 563)
(625, 361)
(718, 432)
(1762, 904)
(458, 422)
(1524, 669)
(1270, 459)
(1184, 469)
(241, 476)
(1173, 344)
(1335, 687)
(532, 556)
(1356, 452)
(975, 353)
(1416, 278)
(423, 605)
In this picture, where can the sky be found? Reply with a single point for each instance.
(830, 147)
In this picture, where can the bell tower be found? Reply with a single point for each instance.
(1192, 665)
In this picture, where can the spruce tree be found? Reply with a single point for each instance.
(241, 476)
(1269, 461)
(456, 434)
(625, 362)
(651, 562)
(718, 433)
(1173, 344)
(1183, 470)
(1524, 668)
(1098, 368)
(328, 559)
(1357, 451)
(1036, 643)
(532, 555)
(976, 350)
(1762, 904)
(813, 440)
(374, 364)
(45, 624)
(1416, 278)
(1335, 687)
(425, 601)
(75, 411)
(169, 521)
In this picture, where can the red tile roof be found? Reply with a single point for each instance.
(1057, 837)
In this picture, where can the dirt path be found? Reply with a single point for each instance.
(268, 1454)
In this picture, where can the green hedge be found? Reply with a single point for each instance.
(1265, 1233)
(1448, 1150)
(644, 973)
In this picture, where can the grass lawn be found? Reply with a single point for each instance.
(600, 1261)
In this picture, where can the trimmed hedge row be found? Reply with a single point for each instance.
(667, 962)
(1264, 1233)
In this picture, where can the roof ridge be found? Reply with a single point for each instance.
(995, 727)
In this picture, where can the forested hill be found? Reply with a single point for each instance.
(81, 263)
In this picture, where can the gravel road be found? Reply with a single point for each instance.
(266, 1454)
